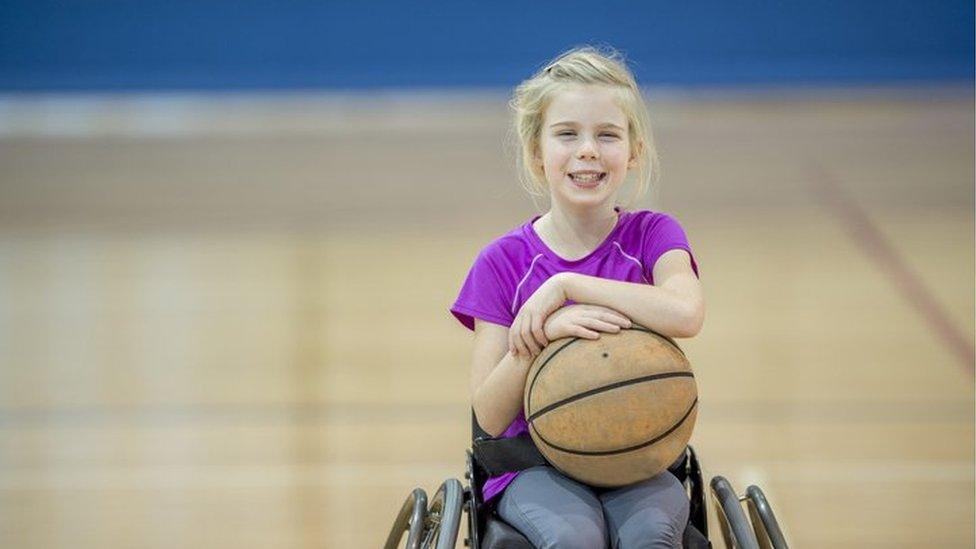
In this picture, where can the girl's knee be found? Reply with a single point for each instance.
(578, 536)
(657, 531)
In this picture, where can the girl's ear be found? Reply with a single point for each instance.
(537, 160)
(636, 152)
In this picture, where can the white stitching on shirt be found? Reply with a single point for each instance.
(524, 278)
(634, 259)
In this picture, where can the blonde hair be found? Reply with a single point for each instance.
(580, 65)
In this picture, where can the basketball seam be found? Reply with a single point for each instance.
(575, 339)
(615, 385)
(678, 424)
(622, 450)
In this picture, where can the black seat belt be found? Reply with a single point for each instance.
(506, 455)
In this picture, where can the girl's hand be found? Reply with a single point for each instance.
(584, 320)
(527, 335)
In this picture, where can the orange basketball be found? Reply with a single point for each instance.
(612, 411)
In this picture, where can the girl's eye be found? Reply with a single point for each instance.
(569, 133)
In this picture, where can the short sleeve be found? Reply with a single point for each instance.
(485, 294)
(663, 233)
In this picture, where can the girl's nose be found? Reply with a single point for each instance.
(587, 149)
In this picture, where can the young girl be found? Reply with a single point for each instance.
(583, 268)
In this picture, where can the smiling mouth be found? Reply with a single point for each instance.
(588, 179)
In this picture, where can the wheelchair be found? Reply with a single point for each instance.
(436, 523)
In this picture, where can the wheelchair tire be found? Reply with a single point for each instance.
(443, 519)
(736, 528)
(411, 519)
(764, 522)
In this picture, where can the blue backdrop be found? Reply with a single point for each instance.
(263, 44)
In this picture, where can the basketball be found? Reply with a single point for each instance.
(612, 411)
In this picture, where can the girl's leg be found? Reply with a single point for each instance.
(652, 513)
(553, 511)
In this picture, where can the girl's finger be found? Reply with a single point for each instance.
(615, 318)
(580, 331)
(538, 330)
(600, 325)
(520, 348)
(529, 340)
(513, 338)
(511, 342)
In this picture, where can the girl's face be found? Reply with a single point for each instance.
(585, 147)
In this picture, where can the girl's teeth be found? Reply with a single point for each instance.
(587, 178)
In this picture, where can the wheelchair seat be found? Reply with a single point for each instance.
(499, 535)
(495, 533)
(436, 524)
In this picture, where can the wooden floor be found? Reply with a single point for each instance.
(223, 320)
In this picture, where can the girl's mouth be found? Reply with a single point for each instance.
(588, 180)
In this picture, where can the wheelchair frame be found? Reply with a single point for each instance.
(436, 525)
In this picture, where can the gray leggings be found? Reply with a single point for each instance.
(554, 511)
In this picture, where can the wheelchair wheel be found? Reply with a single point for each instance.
(736, 528)
(764, 522)
(443, 519)
(410, 519)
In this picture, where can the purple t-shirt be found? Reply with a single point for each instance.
(510, 269)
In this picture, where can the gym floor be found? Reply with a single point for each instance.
(223, 319)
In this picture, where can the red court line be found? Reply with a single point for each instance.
(873, 242)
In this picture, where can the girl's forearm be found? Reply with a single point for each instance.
(654, 307)
(499, 398)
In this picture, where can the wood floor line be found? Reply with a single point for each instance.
(875, 245)
(768, 411)
(224, 476)
(845, 412)
(874, 471)
(391, 474)
(196, 414)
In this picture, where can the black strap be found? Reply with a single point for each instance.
(497, 456)
(506, 455)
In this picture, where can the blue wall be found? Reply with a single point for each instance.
(263, 44)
